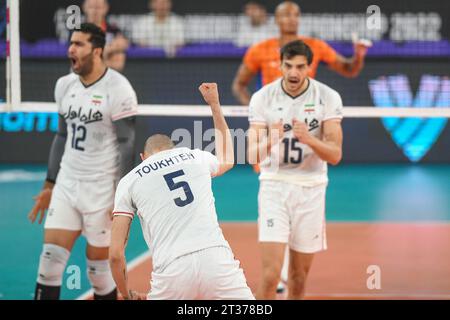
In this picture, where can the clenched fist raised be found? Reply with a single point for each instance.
(210, 93)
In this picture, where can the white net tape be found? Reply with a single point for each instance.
(240, 111)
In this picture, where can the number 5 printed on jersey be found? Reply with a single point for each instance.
(176, 185)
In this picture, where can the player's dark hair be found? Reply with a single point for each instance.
(296, 48)
(97, 38)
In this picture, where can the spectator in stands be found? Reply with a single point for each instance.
(161, 28)
(116, 44)
(255, 26)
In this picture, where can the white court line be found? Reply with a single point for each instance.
(130, 266)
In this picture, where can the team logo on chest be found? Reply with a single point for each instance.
(91, 116)
(312, 124)
(310, 109)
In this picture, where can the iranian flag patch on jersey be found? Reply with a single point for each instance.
(96, 100)
(309, 107)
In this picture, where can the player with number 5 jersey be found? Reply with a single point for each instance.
(170, 192)
(295, 130)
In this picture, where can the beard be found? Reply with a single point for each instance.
(86, 65)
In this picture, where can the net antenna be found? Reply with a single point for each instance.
(13, 92)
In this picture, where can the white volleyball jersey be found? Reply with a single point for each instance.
(291, 160)
(171, 193)
(91, 151)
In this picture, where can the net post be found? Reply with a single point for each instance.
(13, 89)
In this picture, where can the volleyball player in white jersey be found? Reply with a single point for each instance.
(92, 150)
(170, 192)
(295, 130)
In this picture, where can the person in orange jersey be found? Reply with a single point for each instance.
(264, 57)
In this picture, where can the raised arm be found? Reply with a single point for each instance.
(223, 141)
(240, 84)
(350, 67)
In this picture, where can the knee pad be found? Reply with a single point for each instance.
(100, 277)
(52, 263)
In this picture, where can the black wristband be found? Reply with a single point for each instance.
(50, 180)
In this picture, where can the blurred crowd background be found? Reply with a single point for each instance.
(166, 48)
(156, 42)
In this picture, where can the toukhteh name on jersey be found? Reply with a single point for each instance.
(154, 166)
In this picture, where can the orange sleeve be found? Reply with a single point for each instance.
(327, 53)
(252, 59)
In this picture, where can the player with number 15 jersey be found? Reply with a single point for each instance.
(295, 130)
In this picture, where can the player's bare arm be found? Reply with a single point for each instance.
(119, 238)
(223, 141)
(240, 85)
(261, 138)
(350, 67)
(42, 200)
(329, 148)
